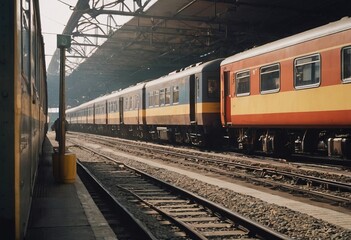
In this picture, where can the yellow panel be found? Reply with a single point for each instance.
(208, 107)
(100, 117)
(336, 97)
(168, 110)
(113, 118)
(133, 113)
(182, 109)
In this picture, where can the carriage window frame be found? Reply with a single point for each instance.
(136, 102)
(34, 52)
(242, 76)
(151, 99)
(157, 98)
(197, 85)
(25, 41)
(131, 102)
(271, 76)
(175, 94)
(115, 106)
(213, 90)
(313, 64)
(126, 103)
(162, 97)
(167, 96)
(343, 78)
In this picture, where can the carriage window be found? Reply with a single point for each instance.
(197, 82)
(136, 102)
(131, 100)
(175, 94)
(212, 88)
(162, 97)
(112, 107)
(100, 109)
(126, 103)
(270, 78)
(25, 18)
(243, 83)
(168, 96)
(33, 52)
(151, 99)
(307, 71)
(157, 99)
(346, 64)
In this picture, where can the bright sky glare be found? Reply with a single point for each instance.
(54, 17)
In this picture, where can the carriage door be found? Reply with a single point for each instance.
(226, 98)
(106, 112)
(120, 105)
(143, 105)
(192, 99)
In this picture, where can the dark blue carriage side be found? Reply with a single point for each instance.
(184, 105)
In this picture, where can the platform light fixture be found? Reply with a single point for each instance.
(63, 41)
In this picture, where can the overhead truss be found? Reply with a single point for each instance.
(198, 25)
(91, 24)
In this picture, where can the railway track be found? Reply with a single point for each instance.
(193, 216)
(121, 221)
(318, 188)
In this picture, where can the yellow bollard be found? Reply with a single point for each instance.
(68, 168)
(64, 167)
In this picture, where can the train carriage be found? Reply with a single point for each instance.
(292, 95)
(81, 117)
(118, 114)
(184, 105)
(23, 112)
(131, 111)
(113, 109)
(96, 113)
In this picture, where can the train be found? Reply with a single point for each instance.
(23, 115)
(182, 106)
(291, 95)
(288, 96)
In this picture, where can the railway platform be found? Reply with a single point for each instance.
(63, 211)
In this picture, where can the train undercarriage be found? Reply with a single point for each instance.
(325, 142)
(276, 141)
(192, 134)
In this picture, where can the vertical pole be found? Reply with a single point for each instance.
(62, 104)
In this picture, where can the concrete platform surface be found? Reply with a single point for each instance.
(63, 211)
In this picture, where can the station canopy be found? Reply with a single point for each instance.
(117, 43)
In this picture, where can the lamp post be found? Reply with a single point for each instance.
(64, 164)
(63, 42)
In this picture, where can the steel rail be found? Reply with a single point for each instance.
(133, 223)
(254, 228)
(266, 171)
